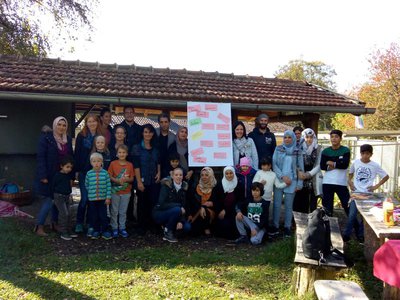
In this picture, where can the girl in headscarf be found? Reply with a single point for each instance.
(180, 146)
(306, 199)
(202, 203)
(53, 146)
(231, 194)
(286, 161)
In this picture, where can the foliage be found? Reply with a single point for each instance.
(343, 121)
(30, 27)
(383, 90)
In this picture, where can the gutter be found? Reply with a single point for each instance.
(152, 103)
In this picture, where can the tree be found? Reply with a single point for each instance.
(29, 27)
(315, 72)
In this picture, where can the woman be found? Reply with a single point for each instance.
(105, 121)
(286, 161)
(180, 146)
(118, 140)
(225, 207)
(83, 147)
(306, 199)
(171, 208)
(53, 146)
(146, 162)
(243, 146)
(201, 202)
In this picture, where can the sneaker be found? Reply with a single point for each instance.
(169, 236)
(73, 234)
(79, 228)
(115, 233)
(287, 233)
(243, 239)
(273, 232)
(360, 240)
(89, 232)
(66, 236)
(346, 238)
(123, 233)
(106, 235)
(95, 235)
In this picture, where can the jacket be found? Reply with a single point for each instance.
(265, 142)
(250, 151)
(169, 197)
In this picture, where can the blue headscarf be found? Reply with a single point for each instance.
(291, 147)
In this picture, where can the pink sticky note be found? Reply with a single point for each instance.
(224, 118)
(224, 136)
(220, 155)
(202, 114)
(212, 107)
(206, 143)
(197, 152)
(201, 160)
(224, 143)
(208, 126)
(222, 126)
(194, 108)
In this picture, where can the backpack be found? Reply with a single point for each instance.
(316, 240)
(9, 188)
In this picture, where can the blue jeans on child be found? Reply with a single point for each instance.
(98, 215)
(247, 223)
(353, 222)
(278, 197)
(170, 217)
(81, 212)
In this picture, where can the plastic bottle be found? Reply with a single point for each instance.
(388, 208)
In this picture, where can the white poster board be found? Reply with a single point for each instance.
(209, 134)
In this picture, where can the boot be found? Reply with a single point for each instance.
(39, 229)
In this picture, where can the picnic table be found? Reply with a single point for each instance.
(375, 230)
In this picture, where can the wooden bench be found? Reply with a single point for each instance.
(307, 270)
(338, 290)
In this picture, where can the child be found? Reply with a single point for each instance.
(100, 146)
(174, 163)
(252, 215)
(61, 189)
(245, 174)
(98, 185)
(365, 172)
(121, 174)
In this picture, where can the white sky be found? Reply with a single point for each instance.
(242, 37)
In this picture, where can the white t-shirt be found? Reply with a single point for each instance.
(365, 174)
(271, 180)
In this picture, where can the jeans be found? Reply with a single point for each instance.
(170, 218)
(247, 223)
(119, 206)
(145, 202)
(353, 222)
(329, 191)
(98, 214)
(278, 197)
(62, 204)
(44, 211)
(81, 212)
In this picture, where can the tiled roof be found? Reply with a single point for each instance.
(54, 76)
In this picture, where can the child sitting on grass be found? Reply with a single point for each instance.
(98, 185)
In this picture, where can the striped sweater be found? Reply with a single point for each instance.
(98, 185)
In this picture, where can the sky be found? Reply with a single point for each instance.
(241, 37)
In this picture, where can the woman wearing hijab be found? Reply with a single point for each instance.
(202, 203)
(243, 146)
(231, 194)
(287, 161)
(53, 146)
(306, 199)
(180, 146)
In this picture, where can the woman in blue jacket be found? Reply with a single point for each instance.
(53, 146)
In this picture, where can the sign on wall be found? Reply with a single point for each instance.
(209, 134)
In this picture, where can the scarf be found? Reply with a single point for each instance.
(289, 149)
(182, 149)
(60, 140)
(241, 145)
(314, 145)
(206, 188)
(229, 186)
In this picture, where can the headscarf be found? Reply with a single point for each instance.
(291, 147)
(314, 145)
(182, 149)
(206, 188)
(227, 185)
(61, 140)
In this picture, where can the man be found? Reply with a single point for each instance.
(263, 138)
(133, 130)
(165, 139)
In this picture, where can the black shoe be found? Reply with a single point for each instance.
(287, 233)
(243, 239)
(273, 232)
(169, 236)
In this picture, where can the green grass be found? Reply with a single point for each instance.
(31, 268)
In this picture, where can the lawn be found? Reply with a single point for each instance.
(37, 268)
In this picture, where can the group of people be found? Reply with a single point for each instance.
(111, 164)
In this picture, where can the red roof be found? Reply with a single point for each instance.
(54, 76)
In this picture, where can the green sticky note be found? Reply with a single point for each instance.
(196, 121)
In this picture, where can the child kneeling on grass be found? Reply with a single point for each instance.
(252, 215)
(98, 185)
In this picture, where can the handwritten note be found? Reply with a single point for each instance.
(206, 143)
(222, 126)
(224, 136)
(202, 114)
(197, 152)
(194, 108)
(208, 126)
(200, 160)
(211, 107)
(194, 122)
(197, 135)
(223, 144)
(224, 118)
(220, 155)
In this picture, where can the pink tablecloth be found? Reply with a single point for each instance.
(387, 263)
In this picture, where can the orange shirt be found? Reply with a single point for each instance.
(116, 170)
